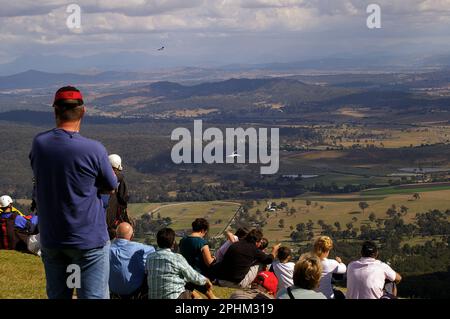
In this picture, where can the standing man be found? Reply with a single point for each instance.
(116, 212)
(71, 172)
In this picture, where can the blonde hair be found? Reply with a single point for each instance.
(307, 271)
(323, 245)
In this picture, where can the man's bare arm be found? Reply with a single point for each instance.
(398, 278)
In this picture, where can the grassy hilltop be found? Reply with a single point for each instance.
(23, 277)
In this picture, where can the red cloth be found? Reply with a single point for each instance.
(268, 280)
(8, 239)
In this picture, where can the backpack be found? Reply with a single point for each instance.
(8, 239)
(16, 230)
(27, 224)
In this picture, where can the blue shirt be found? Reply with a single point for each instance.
(70, 171)
(105, 200)
(127, 265)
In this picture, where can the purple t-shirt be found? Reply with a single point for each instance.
(70, 171)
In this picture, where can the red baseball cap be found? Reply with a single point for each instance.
(268, 280)
(68, 93)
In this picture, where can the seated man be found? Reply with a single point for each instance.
(307, 274)
(231, 238)
(8, 238)
(168, 272)
(15, 227)
(264, 244)
(241, 262)
(6, 206)
(127, 278)
(366, 277)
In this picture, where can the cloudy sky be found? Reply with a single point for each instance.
(220, 32)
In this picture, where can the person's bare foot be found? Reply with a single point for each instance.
(196, 295)
(211, 295)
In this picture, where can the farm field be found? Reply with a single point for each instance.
(329, 208)
(343, 208)
(182, 214)
(389, 137)
(407, 189)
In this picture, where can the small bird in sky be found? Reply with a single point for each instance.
(234, 154)
(161, 48)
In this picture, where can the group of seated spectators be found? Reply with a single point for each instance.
(138, 271)
(17, 230)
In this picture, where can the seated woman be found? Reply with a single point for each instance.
(307, 274)
(322, 248)
(196, 251)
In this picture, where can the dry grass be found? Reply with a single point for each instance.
(353, 112)
(391, 138)
(21, 275)
(193, 112)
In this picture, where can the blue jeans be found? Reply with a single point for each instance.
(94, 272)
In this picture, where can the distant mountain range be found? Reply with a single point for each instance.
(401, 80)
(36, 79)
(33, 79)
(145, 62)
(271, 87)
(313, 97)
(121, 61)
(231, 86)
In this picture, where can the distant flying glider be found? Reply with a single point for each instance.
(234, 154)
(161, 48)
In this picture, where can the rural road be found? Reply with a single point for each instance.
(187, 203)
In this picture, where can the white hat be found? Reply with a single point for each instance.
(116, 161)
(5, 201)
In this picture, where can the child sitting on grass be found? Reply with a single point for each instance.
(284, 268)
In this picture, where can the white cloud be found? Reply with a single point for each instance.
(128, 7)
(112, 22)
